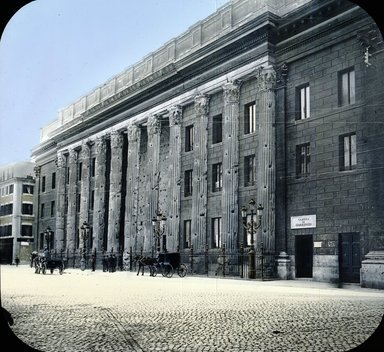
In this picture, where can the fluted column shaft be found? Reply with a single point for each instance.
(84, 157)
(131, 200)
(230, 207)
(266, 182)
(152, 195)
(72, 192)
(115, 190)
(175, 115)
(200, 172)
(61, 164)
(99, 206)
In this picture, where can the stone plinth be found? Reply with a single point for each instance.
(372, 270)
(283, 266)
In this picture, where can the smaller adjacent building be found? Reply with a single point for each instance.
(16, 211)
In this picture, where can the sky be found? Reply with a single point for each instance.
(53, 52)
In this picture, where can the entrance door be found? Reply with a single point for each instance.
(304, 255)
(6, 249)
(349, 257)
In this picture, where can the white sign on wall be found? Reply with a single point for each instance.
(303, 222)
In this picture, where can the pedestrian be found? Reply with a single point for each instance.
(17, 261)
(114, 263)
(110, 263)
(93, 262)
(105, 263)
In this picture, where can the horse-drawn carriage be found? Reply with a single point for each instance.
(44, 263)
(166, 263)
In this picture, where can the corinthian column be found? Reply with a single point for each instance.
(152, 193)
(200, 172)
(72, 192)
(61, 164)
(230, 207)
(84, 156)
(115, 190)
(265, 102)
(99, 207)
(131, 200)
(175, 114)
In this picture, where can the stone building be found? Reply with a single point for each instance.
(270, 100)
(16, 211)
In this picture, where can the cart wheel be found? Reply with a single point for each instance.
(182, 270)
(44, 269)
(168, 270)
(51, 271)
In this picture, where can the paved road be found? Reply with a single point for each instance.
(95, 311)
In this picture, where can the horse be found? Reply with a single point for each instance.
(145, 261)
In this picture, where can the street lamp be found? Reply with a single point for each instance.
(84, 234)
(251, 227)
(158, 224)
(48, 237)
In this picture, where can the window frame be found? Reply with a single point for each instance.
(217, 129)
(216, 236)
(189, 138)
(351, 151)
(303, 102)
(187, 235)
(250, 118)
(249, 170)
(188, 182)
(303, 160)
(347, 87)
(217, 177)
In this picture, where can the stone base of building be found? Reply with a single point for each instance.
(326, 268)
(284, 266)
(372, 270)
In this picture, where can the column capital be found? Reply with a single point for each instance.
(60, 160)
(175, 113)
(231, 92)
(153, 124)
(72, 156)
(202, 104)
(266, 78)
(37, 170)
(100, 145)
(133, 133)
(85, 149)
(116, 139)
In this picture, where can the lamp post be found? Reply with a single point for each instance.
(84, 234)
(48, 237)
(158, 224)
(251, 227)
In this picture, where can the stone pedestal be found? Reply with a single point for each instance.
(372, 270)
(283, 266)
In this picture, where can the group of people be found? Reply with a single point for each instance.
(109, 263)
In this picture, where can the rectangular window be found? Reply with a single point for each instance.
(303, 102)
(348, 153)
(187, 233)
(92, 202)
(78, 203)
(93, 167)
(6, 209)
(79, 171)
(26, 230)
(53, 180)
(217, 177)
(52, 208)
(189, 138)
(27, 189)
(187, 183)
(217, 129)
(303, 160)
(216, 232)
(10, 189)
(42, 210)
(250, 118)
(43, 184)
(27, 209)
(249, 170)
(347, 87)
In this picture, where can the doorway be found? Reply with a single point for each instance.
(304, 255)
(349, 257)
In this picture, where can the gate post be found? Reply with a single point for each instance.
(223, 254)
(206, 258)
(241, 261)
(191, 254)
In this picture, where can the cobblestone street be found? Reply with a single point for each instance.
(96, 311)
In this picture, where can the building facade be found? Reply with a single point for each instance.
(16, 211)
(278, 102)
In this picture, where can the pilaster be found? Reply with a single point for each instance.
(200, 172)
(175, 116)
(61, 167)
(72, 193)
(99, 207)
(230, 206)
(131, 201)
(266, 170)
